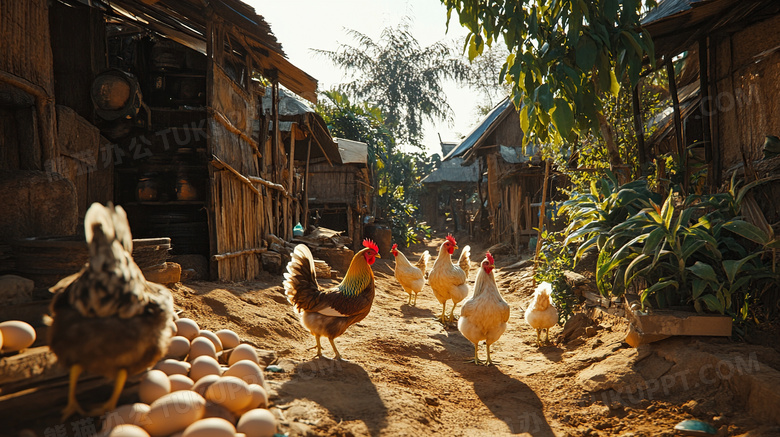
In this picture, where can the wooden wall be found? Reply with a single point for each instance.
(510, 194)
(747, 90)
(25, 50)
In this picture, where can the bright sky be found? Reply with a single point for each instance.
(301, 25)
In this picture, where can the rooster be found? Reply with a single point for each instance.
(447, 280)
(107, 319)
(485, 313)
(330, 312)
(541, 314)
(411, 277)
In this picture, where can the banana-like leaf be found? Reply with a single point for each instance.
(636, 261)
(698, 287)
(690, 246)
(704, 271)
(732, 267)
(747, 230)
(655, 241)
(712, 302)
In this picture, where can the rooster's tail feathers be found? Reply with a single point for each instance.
(464, 261)
(422, 264)
(300, 281)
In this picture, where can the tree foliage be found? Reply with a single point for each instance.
(397, 175)
(400, 77)
(565, 53)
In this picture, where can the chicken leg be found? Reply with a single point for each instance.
(73, 404)
(336, 351)
(119, 384)
(490, 362)
(452, 317)
(414, 303)
(476, 359)
(443, 317)
(319, 347)
(409, 301)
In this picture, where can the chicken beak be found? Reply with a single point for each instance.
(377, 255)
(456, 247)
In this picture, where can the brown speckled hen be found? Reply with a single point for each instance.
(107, 319)
(328, 313)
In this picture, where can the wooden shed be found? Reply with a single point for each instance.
(451, 189)
(339, 196)
(512, 190)
(155, 106)
(724, 116)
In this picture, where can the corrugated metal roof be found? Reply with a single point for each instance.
(453, 170)
(667, 8)
(352, 152)
(480, 130)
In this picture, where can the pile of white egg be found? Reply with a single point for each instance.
(190, 394)
(16, 335)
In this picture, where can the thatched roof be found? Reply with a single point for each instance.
(483, 129)
(453, 171)
(675, 25)
(294, 110)
(184, 21)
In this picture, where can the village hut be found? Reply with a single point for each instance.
(339, 196)
(156, 107)
(513, 190)
(722, 113)
(451, 190)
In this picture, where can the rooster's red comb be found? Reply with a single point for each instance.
(489, 257)
(451, 239)
(395, 246)
(371, 245)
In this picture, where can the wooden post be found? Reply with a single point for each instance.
(290, 188)
(639, 128)
(706, 110)
(715, 120)
(306, 188)
(541, 215)
(275, 150)
(678, 133)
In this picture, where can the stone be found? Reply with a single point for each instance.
(168, 273)
(15, 289)
(272, 261)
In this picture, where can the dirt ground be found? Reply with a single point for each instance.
(406, 373)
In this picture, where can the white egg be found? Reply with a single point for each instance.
(178, 348)
(228, 338)
(216, 410)
(187, 328)
(230, 392)
(180, 382)
(174, 412)
(204, 365)
(213, 337)
(127, 431)
(259, 396)
(203, 384)
(129, 414)
(173, 367)
(257, 423)
(154, 385)
(243, 352)
(247, 370)
(211, 427)
(16, 335)
(202, 346)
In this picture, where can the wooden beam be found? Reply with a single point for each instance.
(541, 215)
(221, 256)
(232, 129)
(306, 187)
(639, 127)
(678, 134)
(218, 163)
(706, 110)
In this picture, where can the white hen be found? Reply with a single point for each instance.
(484, 315)
(541, 313)
(447, 280)
(411, 277)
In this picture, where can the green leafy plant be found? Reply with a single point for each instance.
(554, 260)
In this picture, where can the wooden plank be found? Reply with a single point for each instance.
(221, 256)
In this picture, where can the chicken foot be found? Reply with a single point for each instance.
(452, 317)
(476, 359)
(336, 351)
(443, 317)
(490, 362)
(73, 404)
(119, 384)
(319, 347)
